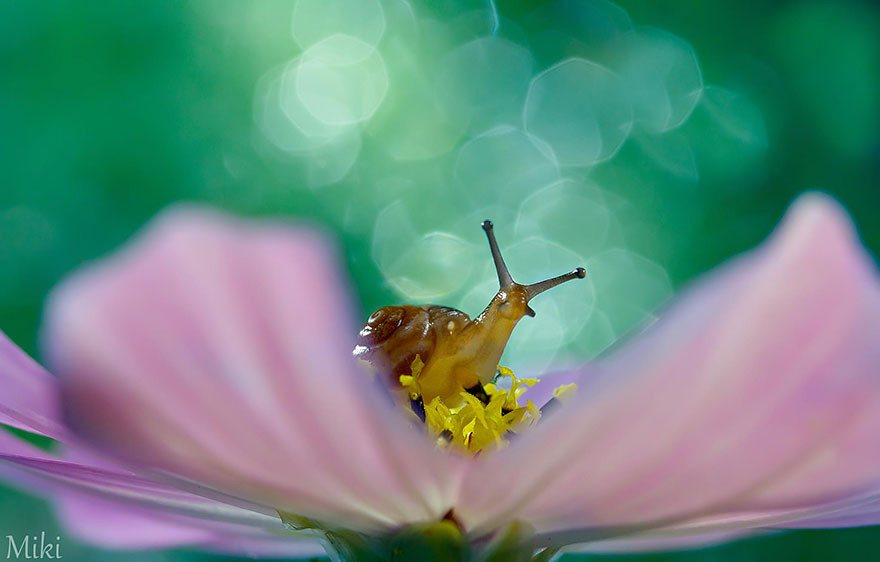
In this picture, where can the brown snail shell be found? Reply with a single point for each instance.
(394, 335)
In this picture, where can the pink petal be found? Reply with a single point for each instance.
(860, 514)
(758, 391)
(587, 377)
(218, 353)
(849, 512)
(650, 544)
(115, 525)
(118, 526)
(103, 504)
(53, 475)
(11, 446)
(30, 394)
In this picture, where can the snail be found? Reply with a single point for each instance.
(457, 353)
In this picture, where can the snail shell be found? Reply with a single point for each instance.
(394, 335)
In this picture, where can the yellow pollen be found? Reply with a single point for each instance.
(474, 426)
(564, 392)
(411, 382)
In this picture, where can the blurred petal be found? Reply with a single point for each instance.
(115, 525)
(30, 394)
(585, 377)
(860, 514)
(106, 505)
(649, 544)
(51, 475)
(31, 402)
(859, 510)
(217, 352)
(758, 392)
(11, 446)
(119, 526)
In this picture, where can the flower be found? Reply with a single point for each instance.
(206, 395)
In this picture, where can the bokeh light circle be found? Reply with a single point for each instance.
(502, 164)
(566, 212)
(419, 122)
(341, 80)
(281, 117)
(629, 288)
(661, 74)
(420, 267)
(486, 79)
(581, 110)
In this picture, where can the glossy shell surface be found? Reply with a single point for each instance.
(394, 335)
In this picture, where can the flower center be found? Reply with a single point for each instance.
(487, 416)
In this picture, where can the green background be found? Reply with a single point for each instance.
(109, 111)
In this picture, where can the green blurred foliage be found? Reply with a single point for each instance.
(111, 111)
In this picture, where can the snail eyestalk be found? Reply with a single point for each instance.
(536, 289)
(504, 278)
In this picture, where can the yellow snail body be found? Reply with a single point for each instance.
(458, 353)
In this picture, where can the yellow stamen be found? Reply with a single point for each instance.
(564, 392)
(474, 426)
(411, 382)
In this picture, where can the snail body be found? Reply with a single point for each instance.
(458, 353)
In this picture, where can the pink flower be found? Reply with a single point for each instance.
(205, 384)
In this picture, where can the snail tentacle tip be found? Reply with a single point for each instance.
(487, 225)
(580, 272)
